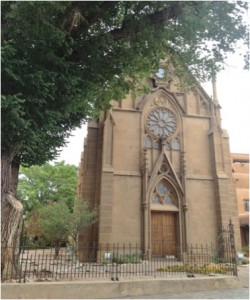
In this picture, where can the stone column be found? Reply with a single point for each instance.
(225, 193)
(106, 183)
(184, 207)
(145, 208)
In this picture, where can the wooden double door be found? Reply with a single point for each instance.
(163, 233)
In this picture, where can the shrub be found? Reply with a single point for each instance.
(127, 258)
(245, 251)
(206, 269)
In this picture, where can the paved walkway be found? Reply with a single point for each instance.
(236, 293)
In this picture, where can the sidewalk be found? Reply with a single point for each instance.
(241, 292)
(133, 288)
(243, 273)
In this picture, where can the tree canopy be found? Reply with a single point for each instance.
(48, 193)
(63, 61)
(56, 223)
(41, 185)
(53, 221)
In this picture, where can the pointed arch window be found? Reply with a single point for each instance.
(149, 143)
(164, 194)
(175, 144)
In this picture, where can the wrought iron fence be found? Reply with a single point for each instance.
(114, 262)
(117, 261)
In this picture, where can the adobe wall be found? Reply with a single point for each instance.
(240, 166)
(240, 169)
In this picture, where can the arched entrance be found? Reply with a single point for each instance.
(164, 219)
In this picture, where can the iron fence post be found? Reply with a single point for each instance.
(233, 250)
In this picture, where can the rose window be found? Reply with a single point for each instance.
(161, 123)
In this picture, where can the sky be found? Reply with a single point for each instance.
(233, 91)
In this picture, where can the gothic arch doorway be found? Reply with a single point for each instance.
(164, 210)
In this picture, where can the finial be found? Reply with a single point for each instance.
(214, 84)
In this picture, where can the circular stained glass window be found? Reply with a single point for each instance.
(161, 123)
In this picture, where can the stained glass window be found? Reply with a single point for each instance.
(161, 122)
(175, 144)
(246, 204)
(164, 194)
(148, 142)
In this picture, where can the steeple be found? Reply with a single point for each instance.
(214, 84)
(217, 106)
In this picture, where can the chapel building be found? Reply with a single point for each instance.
(159, 169)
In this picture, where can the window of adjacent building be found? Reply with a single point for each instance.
(246, 204)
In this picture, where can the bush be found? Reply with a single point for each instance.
(245, 251)
(37, 243)
(206, 269)
(127, 258)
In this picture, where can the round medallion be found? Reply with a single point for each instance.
(161, 123)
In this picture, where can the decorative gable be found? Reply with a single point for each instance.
(164, 182)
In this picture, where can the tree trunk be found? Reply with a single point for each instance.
(11, 212)
(57, 249)
(14, 177)
(5, 174)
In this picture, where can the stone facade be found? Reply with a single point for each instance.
(240, 168)
(159, 168)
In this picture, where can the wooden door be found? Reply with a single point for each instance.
(163, 233)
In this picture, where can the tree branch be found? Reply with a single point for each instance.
(130, 28)
(104, 7)
(88, 20)
(158, 18)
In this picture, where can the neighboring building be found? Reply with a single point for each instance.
(240, 163)
(159, 168)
